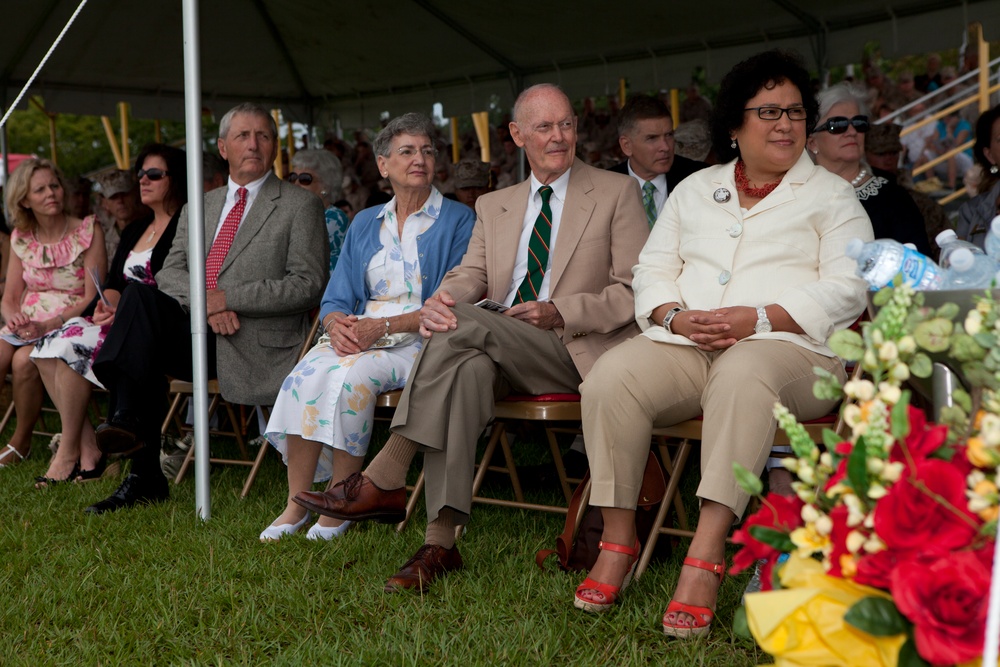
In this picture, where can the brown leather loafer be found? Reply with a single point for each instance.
(356, 498)
(430, 561)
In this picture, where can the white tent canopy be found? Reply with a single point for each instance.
(354, 60)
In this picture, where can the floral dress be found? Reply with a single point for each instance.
(336, 228)
(331, 399)
(53, 272)
(79, 340)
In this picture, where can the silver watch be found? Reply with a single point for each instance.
(763, 324)
(670, 318)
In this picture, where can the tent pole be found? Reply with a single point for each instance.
(196, 255)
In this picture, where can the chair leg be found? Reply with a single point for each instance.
(411, 502)
(188, 458)
(511, 468)
(172, 413)
(682, 519)
(7, 415)
(661, 515)
(560, 466)
(499, 430)
(257, 462)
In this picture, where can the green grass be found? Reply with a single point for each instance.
(158, 586)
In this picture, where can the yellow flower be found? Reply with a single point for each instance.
(310, 420)
(978, 454)
(848, 566)
(809, 541)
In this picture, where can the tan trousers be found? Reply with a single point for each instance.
(459, 375)
(643, 383)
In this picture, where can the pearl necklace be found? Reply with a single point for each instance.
(860, 178)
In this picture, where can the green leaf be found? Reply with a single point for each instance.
(934, 335)
(881, 297)
(965, 348)
(772, 538)
(962, 399)
(921, 365)
(876, 616)
(740, 626)
(857, 468)
(899, 419)
(748, 481)
(847, 344)
(908, 656)
(831, 439)
(948, 311)
(985, 340)
(978, 376)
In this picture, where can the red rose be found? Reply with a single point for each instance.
(921, 441)
(782, 513)
(876, 569)
(911, 517)
(947, 602)
(838, 538)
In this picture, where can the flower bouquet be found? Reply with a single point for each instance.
(890, 536)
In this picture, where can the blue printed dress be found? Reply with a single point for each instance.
(331, 399)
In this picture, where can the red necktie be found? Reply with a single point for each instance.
(224, 241)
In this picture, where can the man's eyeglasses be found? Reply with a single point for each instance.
(153, 174)
(304, 179)
(410, 152)
(774, 113)
(839, 124)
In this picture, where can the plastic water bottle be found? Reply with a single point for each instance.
(949, 242)
(993, 239)
(969, 270)
(880, 261)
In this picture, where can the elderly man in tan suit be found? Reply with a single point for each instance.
(558, 249)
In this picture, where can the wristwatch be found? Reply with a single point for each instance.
(763, 324)
(670, 318)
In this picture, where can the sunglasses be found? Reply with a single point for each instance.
(839, 124)
(304, 179)
(153, 174)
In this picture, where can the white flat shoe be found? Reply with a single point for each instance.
(10, 456)
(318, 532)
(274, 533)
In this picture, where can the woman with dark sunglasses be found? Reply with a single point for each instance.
(837, 143)
(64, 356)
(319, 171)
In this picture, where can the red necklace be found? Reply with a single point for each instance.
(743, 183)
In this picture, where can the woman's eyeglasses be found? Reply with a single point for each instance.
(153, 174)
(774, 113)
(304, 179)
(839, 124)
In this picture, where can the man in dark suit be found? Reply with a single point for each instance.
(266, 267)
(558, 249)
(646, 137)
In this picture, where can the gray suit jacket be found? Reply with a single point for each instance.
(274, 274)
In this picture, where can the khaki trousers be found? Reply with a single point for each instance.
(643, 383)
(456, 380)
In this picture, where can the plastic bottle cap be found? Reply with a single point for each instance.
(946, 236)
(911, 246)
(854, 248)
(962, 259)
(995, 225)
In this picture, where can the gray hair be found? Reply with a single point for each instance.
(842, 92)
(416, 124)
(249, 108)
(327, 168)
(529, 92)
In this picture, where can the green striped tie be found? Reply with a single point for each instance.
(538, 250)
(647, 202)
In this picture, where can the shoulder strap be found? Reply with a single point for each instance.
(577, 507)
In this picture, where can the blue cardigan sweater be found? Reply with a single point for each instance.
(441, 248)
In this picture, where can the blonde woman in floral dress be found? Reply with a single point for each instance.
(47, 283)
(393, 258)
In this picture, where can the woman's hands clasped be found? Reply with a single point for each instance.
(351, 334)
(716, 329)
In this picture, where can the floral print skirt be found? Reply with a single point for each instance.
(331, 399)
(77, 343)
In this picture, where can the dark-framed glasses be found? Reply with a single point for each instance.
(408, 152)
(774, 113)
(304, 179)
(839, 124)
(153, 174)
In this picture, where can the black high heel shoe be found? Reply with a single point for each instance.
(42, 482)
(96, 472)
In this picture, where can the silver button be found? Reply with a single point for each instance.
(724, 277)
(736, 230)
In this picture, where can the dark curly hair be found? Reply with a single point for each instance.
(176, 159)
(743, 82)
(984, 132)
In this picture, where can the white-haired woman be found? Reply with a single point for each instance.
(837, 143)
(319, 171)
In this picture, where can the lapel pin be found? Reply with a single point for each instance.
(721, 195)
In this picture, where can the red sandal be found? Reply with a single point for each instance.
(702, 616)
(609, 592)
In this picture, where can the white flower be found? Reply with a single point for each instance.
(862, 390)
(876, 491)
(989, 429)
(893, 471)
(875, 465)
(900, 372)
(870, 360)
(790, 463)
(889, 393)
(907, 345)
(826, 460)
(824, 525)
(855, 541)
(809, 514)
(855, 512)
(873, 545)
(877, 337)
(888, 351)
(973, 322)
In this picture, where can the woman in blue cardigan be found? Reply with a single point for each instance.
(393, 258)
